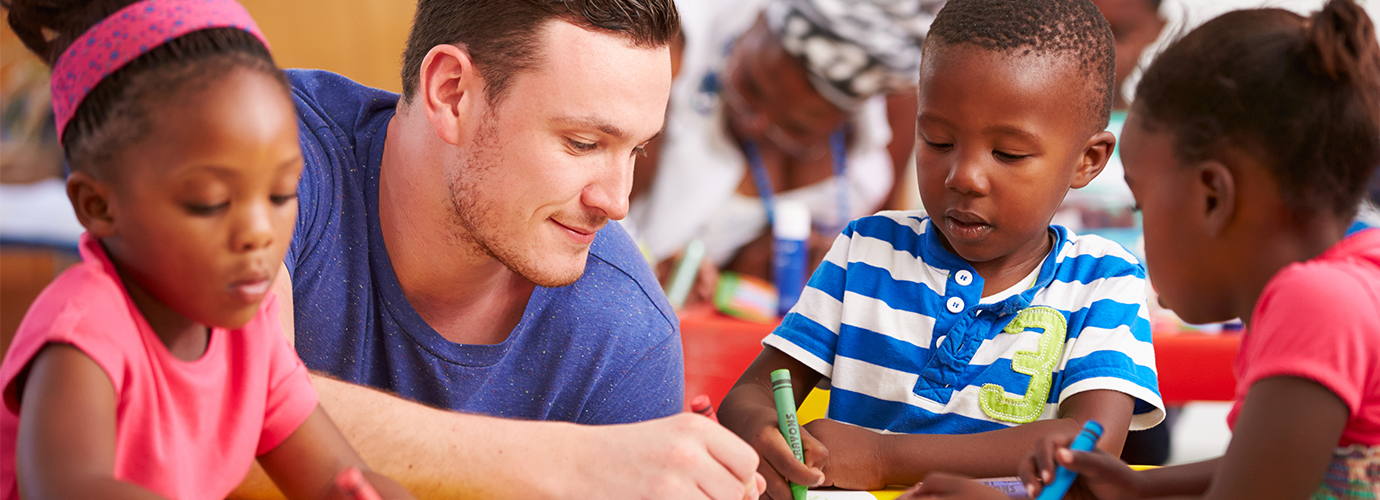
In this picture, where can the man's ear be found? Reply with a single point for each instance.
(1096, 152)
(449, 85)
(91, 200)
(1218, 186)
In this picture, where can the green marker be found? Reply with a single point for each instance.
(785, 417)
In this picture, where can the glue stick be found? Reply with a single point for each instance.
(791, 253)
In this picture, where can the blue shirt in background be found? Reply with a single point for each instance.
(603, 350)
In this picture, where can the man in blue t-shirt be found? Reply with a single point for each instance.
(453, 252)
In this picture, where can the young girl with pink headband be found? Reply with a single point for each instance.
(157, 367)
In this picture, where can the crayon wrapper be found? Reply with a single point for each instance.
(785, 412)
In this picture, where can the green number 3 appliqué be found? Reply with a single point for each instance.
(1038, 364)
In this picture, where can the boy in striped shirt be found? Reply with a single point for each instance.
(954, 341)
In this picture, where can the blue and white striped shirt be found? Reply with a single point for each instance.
(894, 321)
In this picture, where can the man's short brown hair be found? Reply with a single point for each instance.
(501, 35)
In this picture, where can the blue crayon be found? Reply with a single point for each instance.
(1063, 478)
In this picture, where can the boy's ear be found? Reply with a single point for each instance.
(448, 86)
(90, 198)
(1218, 188)
(1096, 152)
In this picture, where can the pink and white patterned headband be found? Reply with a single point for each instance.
(130, 33)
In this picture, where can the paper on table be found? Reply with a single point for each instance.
(1009, 485)
(840, 495)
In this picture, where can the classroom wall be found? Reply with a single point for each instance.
(361, 39)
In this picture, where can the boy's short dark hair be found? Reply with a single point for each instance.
(501, 36)
(1019, 27)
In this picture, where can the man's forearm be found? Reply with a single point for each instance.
(444, 454)
(437, 453)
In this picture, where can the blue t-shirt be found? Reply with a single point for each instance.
(898, 324)
(603, 350)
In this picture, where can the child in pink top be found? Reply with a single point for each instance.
(1248, 148)
(157, 368)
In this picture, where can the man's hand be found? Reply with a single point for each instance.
(685, 456)
(854, 460)
(1100, 475)
(940, 485)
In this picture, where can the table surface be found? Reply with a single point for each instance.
(718, 348)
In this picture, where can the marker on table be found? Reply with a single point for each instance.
(701, 406)
(1063, 478)
(785, 418)
(683, 278)
(351, 482)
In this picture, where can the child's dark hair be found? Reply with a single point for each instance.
(1302, 95)
(115, 113)
(1021, 27)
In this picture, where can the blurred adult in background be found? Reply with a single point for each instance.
(1105, 204)
(780, 100)
(1136, 24)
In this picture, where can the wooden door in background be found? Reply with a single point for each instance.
(361, 39)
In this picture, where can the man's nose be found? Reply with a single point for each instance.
(609, 193)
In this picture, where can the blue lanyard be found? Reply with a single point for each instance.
(838, 148)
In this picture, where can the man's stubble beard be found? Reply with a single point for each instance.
(475, 227)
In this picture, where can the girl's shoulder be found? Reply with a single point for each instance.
(1334, 298)
(84, 307)
(1345, 276)
(84, 294)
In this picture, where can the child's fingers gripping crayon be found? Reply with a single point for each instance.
(1063, 478)
(351, 483)
(1103, 475)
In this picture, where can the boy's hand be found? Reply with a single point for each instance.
(1100, 475)
(854, 460)
(941, 485)
(778, 464)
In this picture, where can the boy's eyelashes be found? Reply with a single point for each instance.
(939, 146)
(998, 154)
(204, 209)
(1008, 157)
